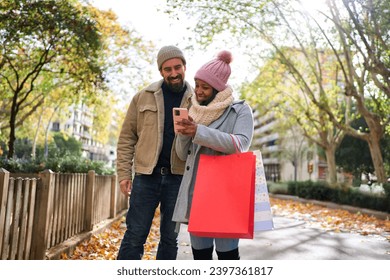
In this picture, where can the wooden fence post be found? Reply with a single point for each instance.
(43, 213)
(89, 197)
(113, 197)
(4, 181)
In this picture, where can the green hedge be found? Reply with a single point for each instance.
(66, 164)
(340, 194)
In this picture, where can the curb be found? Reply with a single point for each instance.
(332, 205)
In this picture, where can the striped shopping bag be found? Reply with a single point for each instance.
(263, 215)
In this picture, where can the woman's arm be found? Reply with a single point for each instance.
(220, 141)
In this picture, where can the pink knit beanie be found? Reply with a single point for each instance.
(216, 72)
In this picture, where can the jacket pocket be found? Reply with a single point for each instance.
(148, 115)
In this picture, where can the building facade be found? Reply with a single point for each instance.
(287, 156)
(79, 124)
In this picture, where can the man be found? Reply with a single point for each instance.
(146, 147)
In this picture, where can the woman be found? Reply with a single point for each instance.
(214, 119)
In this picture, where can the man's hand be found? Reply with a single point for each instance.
(125, 186)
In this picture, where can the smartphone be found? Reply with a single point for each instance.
(178, 115)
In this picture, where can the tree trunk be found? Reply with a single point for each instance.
(12, 124)
(377, 159)
(11, 142)
(295, 170)
(34, 146)
(46, 153)
(331, 162)
(373, 139)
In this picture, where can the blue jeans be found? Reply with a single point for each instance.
(148, 191)
(221, 244)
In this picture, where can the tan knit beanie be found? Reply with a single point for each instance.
(169, 52)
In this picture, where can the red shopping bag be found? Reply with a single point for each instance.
(223, 199)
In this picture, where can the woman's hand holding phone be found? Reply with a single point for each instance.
(183, 123)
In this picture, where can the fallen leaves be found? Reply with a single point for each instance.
(105, 246)
(336, 220)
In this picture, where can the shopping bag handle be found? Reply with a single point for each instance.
(235, 144)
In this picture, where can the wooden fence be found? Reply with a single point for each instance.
(40, 211)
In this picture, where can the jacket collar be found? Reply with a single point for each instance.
(155, 88)
(221, 119)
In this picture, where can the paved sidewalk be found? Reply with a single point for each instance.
(295, 240)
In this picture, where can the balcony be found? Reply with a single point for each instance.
(260, 140)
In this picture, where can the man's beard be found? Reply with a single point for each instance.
(177, 87)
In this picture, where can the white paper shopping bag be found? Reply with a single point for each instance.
(263, 215)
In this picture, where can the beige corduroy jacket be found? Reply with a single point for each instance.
(141, 137)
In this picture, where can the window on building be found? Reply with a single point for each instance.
(55, 126)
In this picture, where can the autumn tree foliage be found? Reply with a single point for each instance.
(354, 34)
(54, 38)
(57, 53)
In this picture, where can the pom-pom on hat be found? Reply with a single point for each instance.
(216, 72)
(169, 52)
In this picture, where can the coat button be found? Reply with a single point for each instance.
(189, 152)
(188, 168)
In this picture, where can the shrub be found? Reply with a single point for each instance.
(292, 187)
(277, 188)
(386, 187)
(65, 164)
(340, 194)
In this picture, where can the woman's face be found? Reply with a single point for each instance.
(203, 91)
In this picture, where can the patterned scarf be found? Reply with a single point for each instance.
(207, 114)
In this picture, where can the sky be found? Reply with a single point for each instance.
(154, 25)
(145, 18)
(157, 27)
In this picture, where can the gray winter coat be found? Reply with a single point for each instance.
(237, 120)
